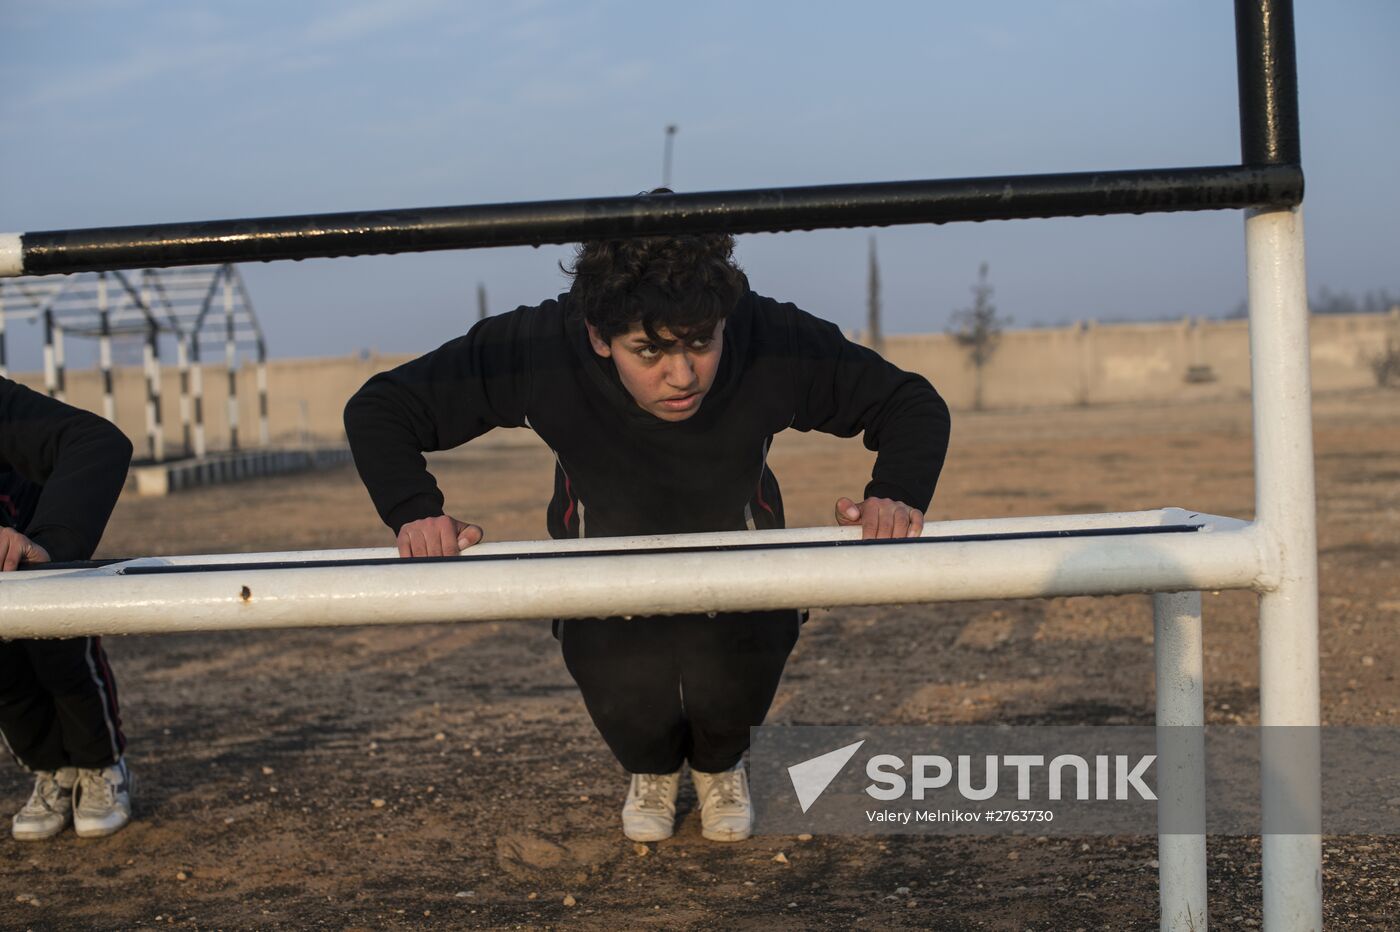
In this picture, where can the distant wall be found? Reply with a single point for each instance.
(1189, 360)
(305, 399)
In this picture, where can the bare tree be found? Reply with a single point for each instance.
(1327, 301)
(1386, 365)
(875, 338)
(978, 329)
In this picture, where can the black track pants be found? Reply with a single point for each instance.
(666, 689)
(58, 703)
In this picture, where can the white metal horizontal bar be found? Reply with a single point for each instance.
(641, 583)
(1012, 525)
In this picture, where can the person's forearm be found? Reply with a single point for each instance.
(438, 401)
(80, 460)
(389, 458)
(81, 492)
(912, 444)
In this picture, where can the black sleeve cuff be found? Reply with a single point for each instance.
(420, 506)
(877, 489)
(64, 545)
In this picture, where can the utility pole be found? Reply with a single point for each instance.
(480, 301)
(874, 337)
(666, 156)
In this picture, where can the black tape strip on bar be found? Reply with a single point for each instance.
(750, 211)
(569, 554)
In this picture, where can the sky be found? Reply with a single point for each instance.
(138, 111)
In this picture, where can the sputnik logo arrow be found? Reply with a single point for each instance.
(811, 777)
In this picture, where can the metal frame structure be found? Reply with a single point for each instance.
(189, 296)
(180, 303)
(1275, 555)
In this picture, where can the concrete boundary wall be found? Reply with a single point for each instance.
(1179, 361)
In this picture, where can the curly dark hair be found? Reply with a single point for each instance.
(684, 284)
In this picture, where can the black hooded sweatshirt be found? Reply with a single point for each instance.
(620, 470)
(61, 471)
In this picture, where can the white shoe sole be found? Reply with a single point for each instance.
(40, 835)
(642, 835)
(102, 831)
(727, 834)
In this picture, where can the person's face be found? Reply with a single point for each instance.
(667, 378)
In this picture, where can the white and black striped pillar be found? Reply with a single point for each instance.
(52, 374)
(60, 357)
(230, 358)
(182, 364)
(264, 432)
(150, 358)
(104, 348)
(197, 394)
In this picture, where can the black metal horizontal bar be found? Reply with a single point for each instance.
(749, 211)
(570, 554)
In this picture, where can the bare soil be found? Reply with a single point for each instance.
(448, 777)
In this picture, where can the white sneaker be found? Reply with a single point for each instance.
(50, 806)
(726, 812)
(650, 811)
(102, 800)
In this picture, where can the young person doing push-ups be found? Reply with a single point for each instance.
(659, 381)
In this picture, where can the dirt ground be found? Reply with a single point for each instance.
(448, 777)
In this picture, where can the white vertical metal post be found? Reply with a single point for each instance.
(1181, 760)
(230, 358)
(1286, 513)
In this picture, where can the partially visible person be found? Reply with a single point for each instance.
(61, 471)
